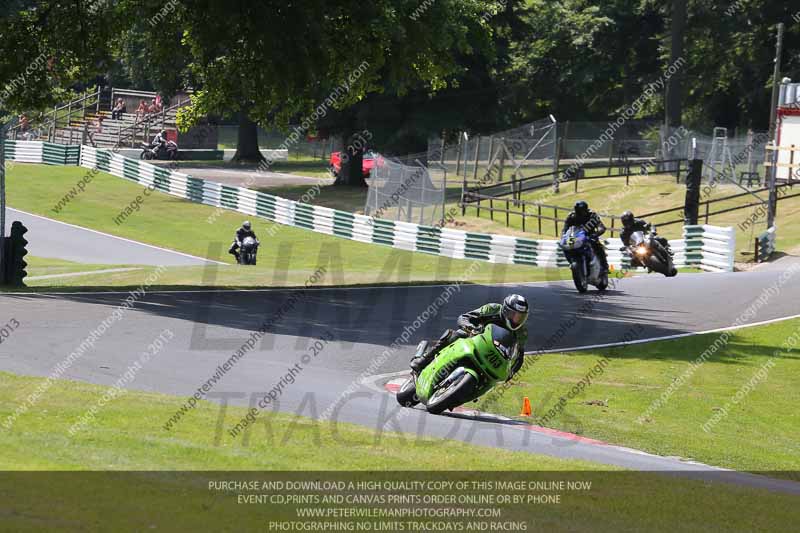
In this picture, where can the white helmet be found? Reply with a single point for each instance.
(515, 311)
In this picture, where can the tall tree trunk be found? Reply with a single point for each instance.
(673, 100)
(352, 157)
(247, 143)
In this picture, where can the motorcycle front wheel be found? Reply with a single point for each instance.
(603, 285)
(454, 395)
(581, 283)
(407, 395)
(657, 265)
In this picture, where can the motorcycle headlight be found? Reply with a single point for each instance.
(641, 250)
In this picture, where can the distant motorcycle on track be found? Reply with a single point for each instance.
(167, 152)
(248, 251)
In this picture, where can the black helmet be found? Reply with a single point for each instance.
(246, 224)
(581, 208)
(515, 311)
(163, 133)
(627, 219)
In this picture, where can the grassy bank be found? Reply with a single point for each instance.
(127, 435)
(287, 255)
(629, 400)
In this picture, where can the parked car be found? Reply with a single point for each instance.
(367, 164)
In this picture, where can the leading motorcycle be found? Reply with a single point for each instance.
(462, 372)
(583, 262)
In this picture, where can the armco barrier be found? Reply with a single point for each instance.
(42, 152)
(710, 248)
(402, 235)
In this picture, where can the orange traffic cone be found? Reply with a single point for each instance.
(526, 407)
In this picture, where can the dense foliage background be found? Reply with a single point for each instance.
(432, 65)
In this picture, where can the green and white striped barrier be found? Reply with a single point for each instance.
(42, 152)
(708, 247)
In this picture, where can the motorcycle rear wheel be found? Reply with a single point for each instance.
(407, 395)
(453, 396)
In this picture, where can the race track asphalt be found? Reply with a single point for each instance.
(209, 326)
(54, 239)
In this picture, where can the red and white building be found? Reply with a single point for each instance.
(787, 136)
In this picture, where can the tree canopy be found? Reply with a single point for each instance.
(409, 67)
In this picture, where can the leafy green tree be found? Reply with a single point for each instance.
(274, 63)
(47, 47)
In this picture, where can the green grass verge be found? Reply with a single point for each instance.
(286, 258)
(760, 433)
(46, 266)
(350, 199)
(126, 435)
(302, 166)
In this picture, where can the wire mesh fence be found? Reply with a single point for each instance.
(405, 189)
(738, 159)
(593, 142)
(481, 159)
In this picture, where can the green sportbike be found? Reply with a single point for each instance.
(463, 371)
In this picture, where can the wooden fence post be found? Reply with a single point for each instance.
(555, 220)
(539, 215)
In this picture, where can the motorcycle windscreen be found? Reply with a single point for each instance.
(637, 238)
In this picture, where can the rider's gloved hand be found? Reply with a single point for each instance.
(475, 330)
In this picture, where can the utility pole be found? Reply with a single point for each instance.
(773, 117)
(2, 203)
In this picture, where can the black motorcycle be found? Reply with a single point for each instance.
(166, 152)
(248, 251)
(646, 251)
